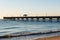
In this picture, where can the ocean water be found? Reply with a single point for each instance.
(9, 27)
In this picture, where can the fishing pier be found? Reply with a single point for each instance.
(33, 18)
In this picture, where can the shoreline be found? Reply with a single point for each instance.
(49, 38)
(27, 34)
(31, 37)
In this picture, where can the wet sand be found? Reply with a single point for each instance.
(50, 38)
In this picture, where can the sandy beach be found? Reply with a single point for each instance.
(50, 38)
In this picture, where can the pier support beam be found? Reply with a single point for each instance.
(58, 19)
(17, 18)
(32, 19)
(37, 19)
(13, 19)
(22, 19)
(50, 19)
(43, 19)
(26, 19)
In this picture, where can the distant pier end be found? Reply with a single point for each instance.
(33, 18)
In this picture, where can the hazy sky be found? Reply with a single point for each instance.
(30, 7)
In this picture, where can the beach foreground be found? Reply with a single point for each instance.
(50, 38)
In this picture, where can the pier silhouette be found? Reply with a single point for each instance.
(32, 18)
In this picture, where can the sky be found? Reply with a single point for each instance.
(30, 7)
